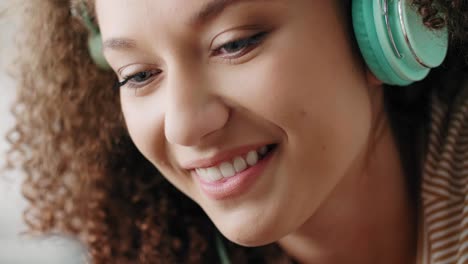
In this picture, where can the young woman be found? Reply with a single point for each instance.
(247, 131)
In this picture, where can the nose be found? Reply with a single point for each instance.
(193, 109)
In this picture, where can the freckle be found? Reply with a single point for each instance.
(303, 113)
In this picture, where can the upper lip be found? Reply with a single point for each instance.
(221, 157)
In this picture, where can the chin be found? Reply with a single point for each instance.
(251, 235)
(250, 240)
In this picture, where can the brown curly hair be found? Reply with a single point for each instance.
(86, 178)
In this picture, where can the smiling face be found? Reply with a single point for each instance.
(208, 91)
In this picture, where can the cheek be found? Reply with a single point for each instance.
(144, 119)
(144, 122)
(323, 106)
(301, 90)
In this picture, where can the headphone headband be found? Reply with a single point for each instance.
(94, 39)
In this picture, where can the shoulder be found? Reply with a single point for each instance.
(444, 213)
(446, 162)
(448, 129)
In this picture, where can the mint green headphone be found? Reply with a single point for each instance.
(397, 47)
(94, 39)
(395, 44)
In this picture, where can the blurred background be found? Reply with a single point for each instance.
(11, 202)
(15, 249)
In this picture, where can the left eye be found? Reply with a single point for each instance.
(240, 45)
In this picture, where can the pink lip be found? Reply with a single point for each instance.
(235, 185)
(221, 157)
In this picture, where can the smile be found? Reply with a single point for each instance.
(242, 172)
(236, 165)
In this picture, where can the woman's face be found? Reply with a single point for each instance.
(209, 89)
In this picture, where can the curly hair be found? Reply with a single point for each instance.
(85, 177)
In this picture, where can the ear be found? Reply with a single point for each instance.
(372, 80)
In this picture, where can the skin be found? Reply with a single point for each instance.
(304, 87)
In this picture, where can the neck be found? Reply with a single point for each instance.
(368, 218)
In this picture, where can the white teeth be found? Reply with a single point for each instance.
(239, 164)
(252, 158)
(227, 169)
(263, 150)
(202, 173)
(213, 174)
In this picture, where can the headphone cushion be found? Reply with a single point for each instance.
(368, 41)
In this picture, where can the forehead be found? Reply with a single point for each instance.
(194, 13)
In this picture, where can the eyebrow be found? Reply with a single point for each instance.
(207, 12)
(119, 44)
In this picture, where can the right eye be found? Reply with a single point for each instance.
(139, 79)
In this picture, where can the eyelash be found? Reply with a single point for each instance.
(245, 44)
(135, 85)
(249, 42)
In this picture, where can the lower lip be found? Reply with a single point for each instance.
(237, 184)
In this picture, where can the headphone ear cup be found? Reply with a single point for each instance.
(396, 46)
(368, 41)
(95, 50)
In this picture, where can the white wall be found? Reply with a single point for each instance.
(13, 248)
(11, 203)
